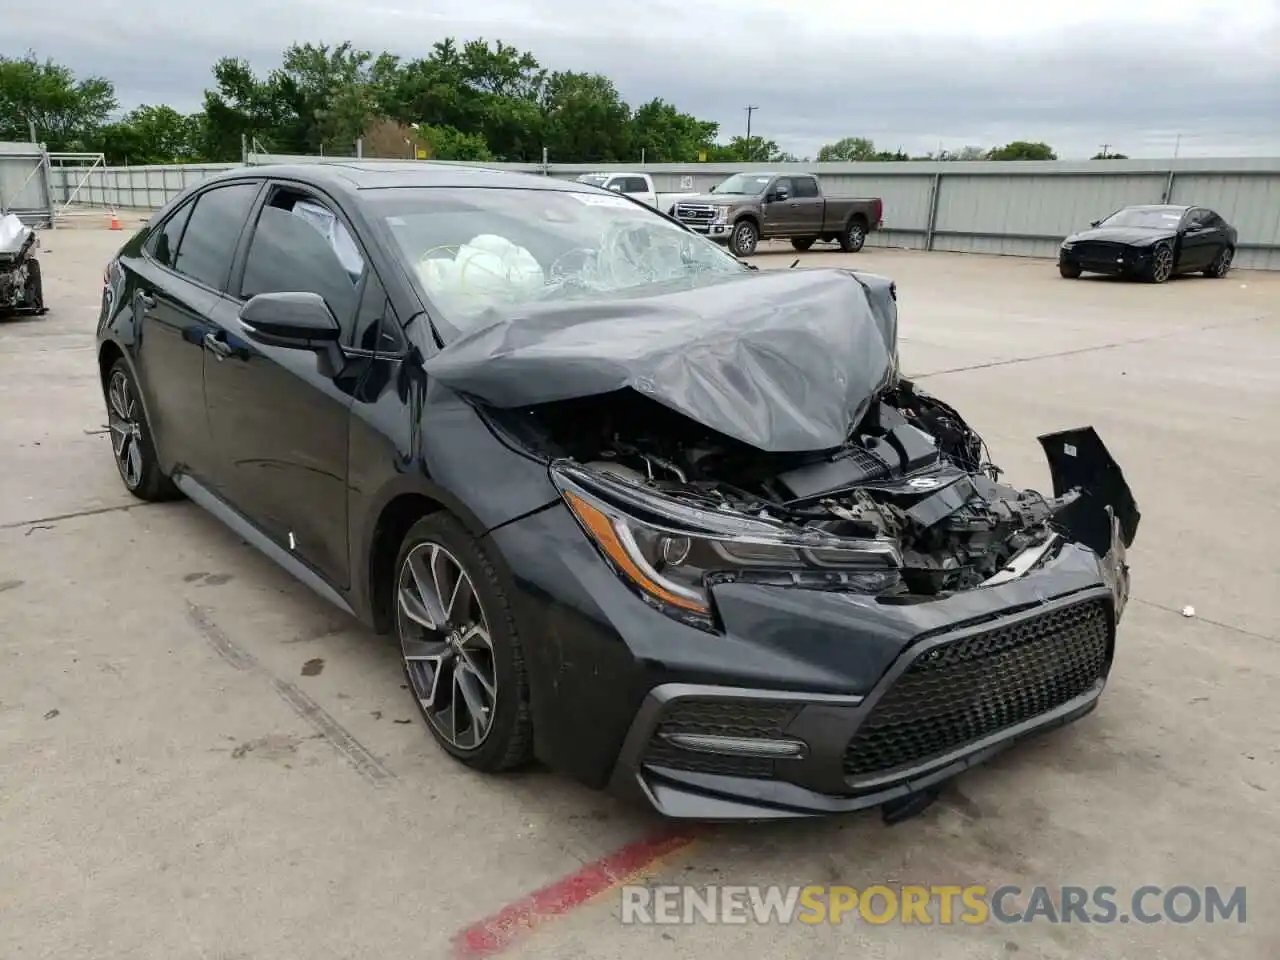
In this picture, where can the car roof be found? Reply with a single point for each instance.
(1180, 207)
(355, 175)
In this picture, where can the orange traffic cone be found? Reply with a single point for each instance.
(115, 221)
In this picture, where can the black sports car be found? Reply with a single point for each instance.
(1151, 242)
(629, 506)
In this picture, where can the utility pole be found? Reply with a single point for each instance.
(1105, 153)
(750, 111)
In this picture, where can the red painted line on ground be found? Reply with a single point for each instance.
(498, 931)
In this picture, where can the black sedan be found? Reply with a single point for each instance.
(1153, 243)
(629, 506)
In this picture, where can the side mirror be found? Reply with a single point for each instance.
(1094, 223)
(711, 190)
(780, 195)
(299, 321)
(615, 187)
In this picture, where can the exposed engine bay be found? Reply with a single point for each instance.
(912, 473)
(21, 291)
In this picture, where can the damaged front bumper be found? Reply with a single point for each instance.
(806, 702)
(972, 675)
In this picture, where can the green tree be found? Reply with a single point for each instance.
(151, 135)
(1108, 155)
(662, 134)
(848, 149)
(586, 121)
(1022, 150)
(449, 143)
(66, 112)
(753, 150)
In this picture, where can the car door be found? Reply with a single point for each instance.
(280, 415)
(1199, 242)
(777, 212)
(184, 266)
(807, 206)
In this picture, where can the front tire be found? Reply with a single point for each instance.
(1069, 271)
(33, 291)
(744, 239)
(1160, 269)
(1221, 265)
(132, 446)
(460, 647)
(854, 237)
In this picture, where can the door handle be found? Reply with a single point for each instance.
(214, 343)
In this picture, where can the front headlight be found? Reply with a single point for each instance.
(1067, 244)
(670, 553)
(722, 215)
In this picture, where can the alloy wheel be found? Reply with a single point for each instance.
(745, 239)
(857, 237)
(1162, 268)
(1223, 263)
(446, 646)
(126, 429)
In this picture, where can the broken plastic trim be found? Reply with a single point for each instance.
(665, 550)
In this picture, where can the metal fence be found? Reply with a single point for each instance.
(24, 183)
(1019, 208)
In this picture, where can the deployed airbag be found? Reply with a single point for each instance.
(785, 360)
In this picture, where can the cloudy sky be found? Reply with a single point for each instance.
(1137, 75)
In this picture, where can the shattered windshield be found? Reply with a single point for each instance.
(479, 252)
(1155, 218)
(745, 184)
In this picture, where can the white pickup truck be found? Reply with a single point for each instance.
(636, 185)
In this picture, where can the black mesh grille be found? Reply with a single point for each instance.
(1099, 250)
(719, 718)
(960, 692)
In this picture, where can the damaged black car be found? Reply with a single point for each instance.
(661, 520)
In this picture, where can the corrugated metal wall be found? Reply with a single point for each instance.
(1015, 208)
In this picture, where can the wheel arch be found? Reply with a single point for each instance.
(400, 505)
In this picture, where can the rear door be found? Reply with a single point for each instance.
(184, 266)
(808, 206)
(280, 416)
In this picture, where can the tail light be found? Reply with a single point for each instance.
(879, 212)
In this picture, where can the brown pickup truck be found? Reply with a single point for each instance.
(750, 207)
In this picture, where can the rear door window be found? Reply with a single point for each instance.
(634, 185)
(213, 230)
(805, 186)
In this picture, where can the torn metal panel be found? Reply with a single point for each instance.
(784, 361)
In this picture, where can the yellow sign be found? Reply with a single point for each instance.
(422, 153)
(702, 156)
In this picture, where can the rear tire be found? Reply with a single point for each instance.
(132, 447)
(855, 236)
(1221, 265)
(1069, 271)
(802, 243)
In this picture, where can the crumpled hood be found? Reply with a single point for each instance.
(1136, 236)
(783, 360)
